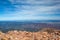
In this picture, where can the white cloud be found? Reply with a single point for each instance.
(38, 8)
(40, 5)
(28, 9)
(29, 18)
(34, 1)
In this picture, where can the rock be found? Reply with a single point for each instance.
(25, 35)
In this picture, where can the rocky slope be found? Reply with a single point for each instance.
(44, 34)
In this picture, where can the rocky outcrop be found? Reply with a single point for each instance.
(44, 34)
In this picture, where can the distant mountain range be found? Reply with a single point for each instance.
(30, 21)
(29, 25)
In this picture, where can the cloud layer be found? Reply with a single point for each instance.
(30, 9)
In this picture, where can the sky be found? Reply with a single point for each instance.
(29, 9)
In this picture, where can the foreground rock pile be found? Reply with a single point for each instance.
(45, 34)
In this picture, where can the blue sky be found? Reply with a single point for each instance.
(29, 9)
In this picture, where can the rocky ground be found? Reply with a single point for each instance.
(44, 34)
